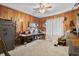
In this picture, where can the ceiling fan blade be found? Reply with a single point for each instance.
(48, 7)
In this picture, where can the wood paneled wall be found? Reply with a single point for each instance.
(71, 15)
(19, 17)
(22, 19)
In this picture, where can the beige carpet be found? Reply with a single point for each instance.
(39, 48)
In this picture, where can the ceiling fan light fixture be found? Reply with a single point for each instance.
(42, 11)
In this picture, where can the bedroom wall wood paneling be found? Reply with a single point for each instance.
(8, 13)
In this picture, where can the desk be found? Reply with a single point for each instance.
(30, 37)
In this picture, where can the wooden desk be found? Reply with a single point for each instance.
(30, 37)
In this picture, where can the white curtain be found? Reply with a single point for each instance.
(49, 29)
(54, 27)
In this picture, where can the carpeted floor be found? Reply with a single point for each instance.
(39, 48)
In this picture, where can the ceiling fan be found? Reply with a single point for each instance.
(42, 7)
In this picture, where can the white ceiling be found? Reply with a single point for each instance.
(28, 8)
